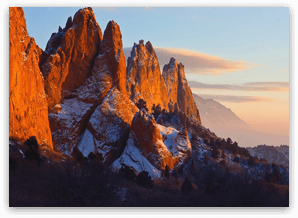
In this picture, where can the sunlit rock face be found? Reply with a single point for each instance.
(95, 109)
(178, 90)
(71, 52)
(144, 79)
(28, 107)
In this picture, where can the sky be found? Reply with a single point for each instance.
(239, 56)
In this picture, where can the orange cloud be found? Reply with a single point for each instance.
(235, 98)
(251, 86)
(196, 62)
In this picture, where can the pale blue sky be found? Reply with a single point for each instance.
(258, 35)
(234, 38)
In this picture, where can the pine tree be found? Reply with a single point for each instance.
(129, 174)
(32, 153)
(77, 154)
(166, 172)
(144, 179)
(156, 111)
(32, 143)
(142, 104)
(187, 185)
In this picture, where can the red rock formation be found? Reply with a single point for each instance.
(111, 61)
(144, 79)
(178, 90)
(28, 113)
(71, 52)
(108, 128)
(78, 111)
(147, 138)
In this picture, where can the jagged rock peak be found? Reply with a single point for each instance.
(111, 55)
(150, 48)
(71, 53)
(178, 90)
(173, 64)
(68, 24)
(112, 32)
(144, 79)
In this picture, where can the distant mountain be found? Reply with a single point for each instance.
(278, 155)
(214, 115)
(225, 123)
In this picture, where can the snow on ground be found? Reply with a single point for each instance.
(132, 157)
(177, 143)
(86, 144)
(174, 142)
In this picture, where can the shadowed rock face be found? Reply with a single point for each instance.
(144, 79)
(178, 90)
(108, 128)
(28, 113)
(147, 138)
(152, 147)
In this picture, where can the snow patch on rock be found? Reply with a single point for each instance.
(132, 158)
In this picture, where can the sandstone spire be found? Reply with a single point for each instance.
(71, 51)
(28, 113)
(144, 79)
(108, 127)
(111, 60)
(178, 90)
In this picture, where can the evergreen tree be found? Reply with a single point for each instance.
(144, 180)
(187, 185)
(77, 154)
(142, 104)
(166, 172)
(32, 153)
(229, 141)
(276, 176)
(129, 174)
(156, 111)
(32, 143)
(95, 156)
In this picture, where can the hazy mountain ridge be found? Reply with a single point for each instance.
(214, 114)
(274, 154)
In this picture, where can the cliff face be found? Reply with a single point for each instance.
(108, 127)
(28, 107)
(100, 100)
(144, 79)
(71, 51)
(178, 90)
